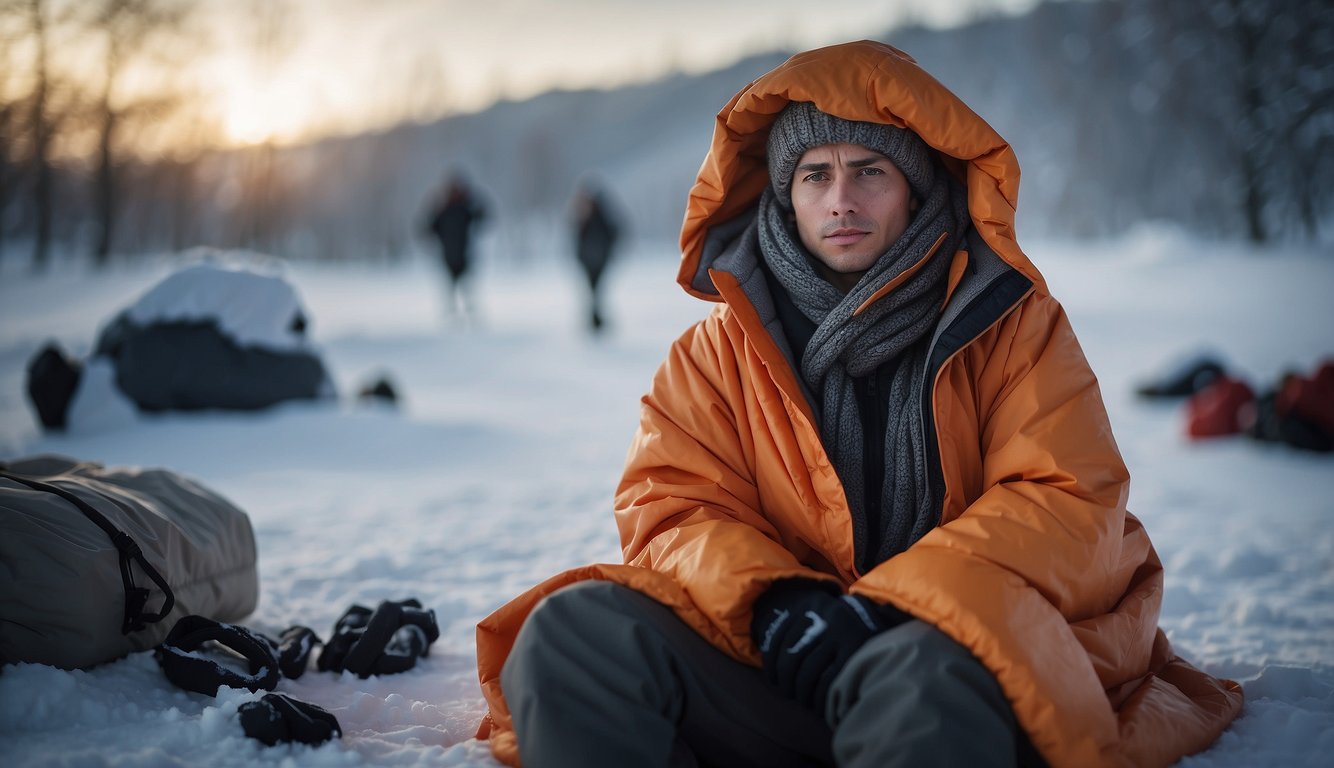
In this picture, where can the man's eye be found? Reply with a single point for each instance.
(872, 171)
(817, 176)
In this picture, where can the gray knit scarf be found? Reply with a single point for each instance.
(845, 346)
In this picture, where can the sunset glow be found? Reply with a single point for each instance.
(264, 114)
(287, 71)
(347, 67)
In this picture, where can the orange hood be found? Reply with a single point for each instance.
(865, 81)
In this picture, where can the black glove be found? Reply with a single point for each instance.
(293, 648)
(279, 717)
(806, 631)
(387, 640)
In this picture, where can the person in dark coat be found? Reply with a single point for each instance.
(596, 230)
(451, 222)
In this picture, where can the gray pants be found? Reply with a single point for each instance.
(601, 675)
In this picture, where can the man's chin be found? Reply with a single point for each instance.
(852, 265)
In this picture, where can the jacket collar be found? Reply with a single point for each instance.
(983, 287)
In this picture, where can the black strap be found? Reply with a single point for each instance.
(183, 665)
(135, 597)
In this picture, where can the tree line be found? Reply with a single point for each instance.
(1253, 83)
(105, 147)
(1216, 114)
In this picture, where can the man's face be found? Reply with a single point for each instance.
(851, 203)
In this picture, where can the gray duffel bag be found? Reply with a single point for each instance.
(97, 562)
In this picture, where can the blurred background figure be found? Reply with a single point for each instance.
(596, 228)
(455, 211)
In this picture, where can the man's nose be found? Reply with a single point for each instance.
(843, 196)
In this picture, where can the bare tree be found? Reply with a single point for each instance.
(129, 28)
(40, 130)
(1252, 77)
(262, 219)
(1244, 25)
(11, 18)
(1304, 99)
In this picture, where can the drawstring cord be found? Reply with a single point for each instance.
(136, 597)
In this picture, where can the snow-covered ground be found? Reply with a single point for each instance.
(498, 469)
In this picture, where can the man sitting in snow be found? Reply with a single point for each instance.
(874, 514)
(206, 337)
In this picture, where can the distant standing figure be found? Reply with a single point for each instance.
(595, 236)
(451, 222)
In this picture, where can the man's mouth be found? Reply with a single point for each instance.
(845, 236)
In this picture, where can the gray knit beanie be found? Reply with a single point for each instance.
(801, 126)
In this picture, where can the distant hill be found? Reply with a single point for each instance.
(1120, 111)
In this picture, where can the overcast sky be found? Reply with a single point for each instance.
(333, 65)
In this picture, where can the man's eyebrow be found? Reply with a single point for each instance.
(859, 163)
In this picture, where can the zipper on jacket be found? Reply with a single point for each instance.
(874, 416)
(986, 307)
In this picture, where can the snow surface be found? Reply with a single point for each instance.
(245, 294)
(498, 468)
